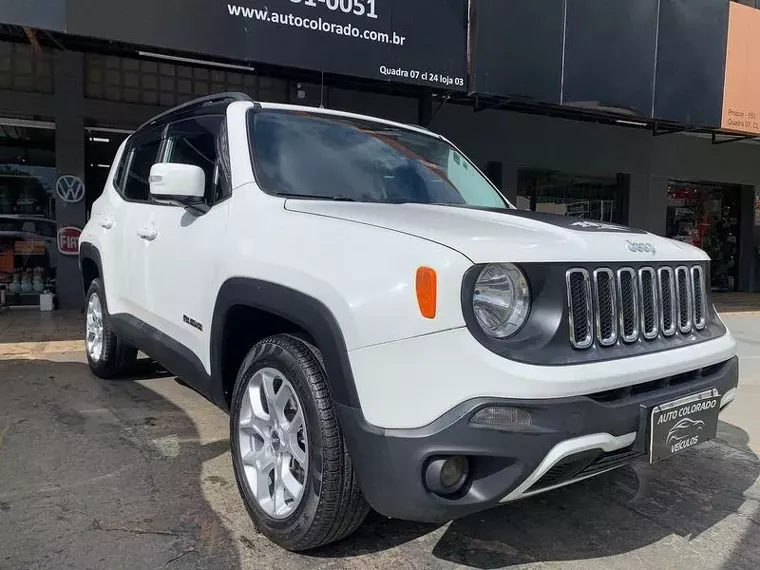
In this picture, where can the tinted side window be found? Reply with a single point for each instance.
(118, 176)
(224, 186)
(193, 141)
(142, 155)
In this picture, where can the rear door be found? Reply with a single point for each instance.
(133, 218)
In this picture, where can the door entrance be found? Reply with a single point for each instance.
(600, 198)
(28, 247)
(100, 148)
(707, 215)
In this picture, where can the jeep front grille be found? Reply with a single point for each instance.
(649, 308)
(579, 299)
(605, 301)
(700, 297)
(626, 305)
(667, 301)
(683, 290)
(628, 300)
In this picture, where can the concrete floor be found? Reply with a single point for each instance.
(137, 474)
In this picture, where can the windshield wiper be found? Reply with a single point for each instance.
(314, 197)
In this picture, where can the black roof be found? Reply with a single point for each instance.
(212, 104)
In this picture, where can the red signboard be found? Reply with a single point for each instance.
(68, 240)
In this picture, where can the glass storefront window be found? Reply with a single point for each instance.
(28, 248)
(590, 197)
(100, 149)
(706, 215)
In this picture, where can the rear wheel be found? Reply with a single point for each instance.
(289, 456)
(107, 355)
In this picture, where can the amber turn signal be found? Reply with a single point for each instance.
(427, 291)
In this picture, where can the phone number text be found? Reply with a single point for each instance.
(359, 7)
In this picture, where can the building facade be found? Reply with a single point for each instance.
(636, 140)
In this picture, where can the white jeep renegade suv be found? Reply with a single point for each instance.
(384, 328)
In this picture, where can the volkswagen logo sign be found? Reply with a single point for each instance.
(69, 188)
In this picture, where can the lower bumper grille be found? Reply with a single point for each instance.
(619, 394)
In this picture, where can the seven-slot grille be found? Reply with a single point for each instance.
(628, 304)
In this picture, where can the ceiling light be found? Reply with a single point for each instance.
(631, 123)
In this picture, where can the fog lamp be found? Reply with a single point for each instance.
(447, 475)
(501, 417)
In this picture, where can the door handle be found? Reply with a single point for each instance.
(148, 233)
(106, 222)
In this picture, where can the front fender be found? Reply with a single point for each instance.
(305, 311)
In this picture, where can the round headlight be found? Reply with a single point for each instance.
(501, 300)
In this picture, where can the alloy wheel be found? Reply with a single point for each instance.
(273, 443)
(94, 328)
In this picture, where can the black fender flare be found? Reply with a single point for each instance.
(91, 253)
(307, 312)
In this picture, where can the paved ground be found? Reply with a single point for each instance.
(137, 475)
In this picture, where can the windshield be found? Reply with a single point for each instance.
(309, 155)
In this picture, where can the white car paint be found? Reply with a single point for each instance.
(452, 367)
(360, 261)
(487, 236)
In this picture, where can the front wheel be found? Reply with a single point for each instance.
(107, 355)
(291, 465)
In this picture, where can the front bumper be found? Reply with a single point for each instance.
(568, 439)
(409, 383)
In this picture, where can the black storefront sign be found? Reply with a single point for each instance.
(609, 55)
(44, 14)
(691, 60)
(420, 42)
(661, 59)
(587, 53)
(517, 48)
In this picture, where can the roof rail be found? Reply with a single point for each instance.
(230, 97)
(420, 127)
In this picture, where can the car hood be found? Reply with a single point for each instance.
(490, 235)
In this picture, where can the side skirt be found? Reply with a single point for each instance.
(175, 357)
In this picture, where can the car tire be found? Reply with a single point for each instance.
(331, 505)
(107, 354)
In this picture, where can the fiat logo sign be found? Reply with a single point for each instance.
(68, 240)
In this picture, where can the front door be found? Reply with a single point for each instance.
(181, 273)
